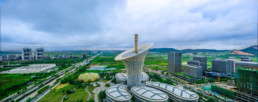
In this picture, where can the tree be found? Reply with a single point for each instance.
(28, 99)
(211, 99)
(102, 95)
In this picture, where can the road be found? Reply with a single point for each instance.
(36, 92)
(73, 70)
(86, 89)
(33, 89)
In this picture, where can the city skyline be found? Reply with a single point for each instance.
(81, 25)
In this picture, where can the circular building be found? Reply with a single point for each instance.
(122, 78)
(148, 94)
(175, 93)
(86, 77)
(118, 93)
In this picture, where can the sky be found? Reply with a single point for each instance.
(111, 24)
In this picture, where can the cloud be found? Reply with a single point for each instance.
(95, 24)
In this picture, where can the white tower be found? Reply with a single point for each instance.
(134, 60)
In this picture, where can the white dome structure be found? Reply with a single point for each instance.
(122, 77)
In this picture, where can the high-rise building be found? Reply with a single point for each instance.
(202, 59)
(223, 66)
(174, 62)
(26, 54)
(193, 70)
(40, 53)
(231, 65)
(247, 80)
(196, 63)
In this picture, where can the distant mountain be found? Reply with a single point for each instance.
(252, 49)
(184, 51)
(201, 50)
(163, 50)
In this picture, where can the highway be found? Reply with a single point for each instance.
(33, 89)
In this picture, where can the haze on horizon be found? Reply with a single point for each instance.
(111, 24)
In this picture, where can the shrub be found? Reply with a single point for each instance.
(107, 84)
(43, 89)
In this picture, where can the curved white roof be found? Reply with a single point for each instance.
(118, 92)
(130, 52)
(145, 76)
(123, 76)
(149, 94)
(175, 91)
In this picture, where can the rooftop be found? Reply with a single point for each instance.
(100, 68)
(173, 90)
(149, 94)
(118, 92)
(33, 68)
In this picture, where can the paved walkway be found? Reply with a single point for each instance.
(102, 87)
(88, 93)
(97, 90)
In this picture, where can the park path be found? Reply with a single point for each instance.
(88, 93)
(102, 87)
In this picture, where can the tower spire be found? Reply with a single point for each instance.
(136, 41)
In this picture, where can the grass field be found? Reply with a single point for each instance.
(78, 95)
(11, 83)
(108, 59)
(104, 81)
(57, 94)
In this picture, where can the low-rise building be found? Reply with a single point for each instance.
(118, 93)
(148, 94)
(176, 94)
(246, 59)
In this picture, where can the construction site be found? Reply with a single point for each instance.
(245, 89)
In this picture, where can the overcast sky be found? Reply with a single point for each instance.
(105, 24)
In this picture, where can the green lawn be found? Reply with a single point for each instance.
(104, 81)
(10, 83)
(157, 67)
(57, 94)
(181, 73)
(78, 95)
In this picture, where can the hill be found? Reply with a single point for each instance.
(163, 50)
(252, 49)
(236, 52)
